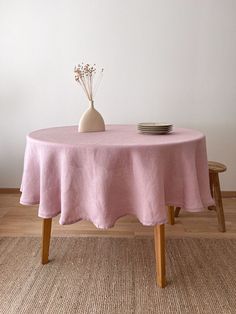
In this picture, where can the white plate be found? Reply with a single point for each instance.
(154, 128)
(155, 132)
(153, 124)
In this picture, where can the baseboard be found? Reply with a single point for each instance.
(228, 194)
(225, 194)
(9, 190)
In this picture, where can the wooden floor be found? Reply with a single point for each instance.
(18, 220)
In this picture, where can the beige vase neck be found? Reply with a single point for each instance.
(91, 104)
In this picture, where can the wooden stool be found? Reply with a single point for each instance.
(214, 169)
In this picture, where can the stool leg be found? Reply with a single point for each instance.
(159, 239)
(46, 235)
(211, 179)
(218, 201)
(171, 215)
(177, 210)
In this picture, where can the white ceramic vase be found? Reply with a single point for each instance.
(91, 120)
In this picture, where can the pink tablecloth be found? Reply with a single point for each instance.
(104, 175)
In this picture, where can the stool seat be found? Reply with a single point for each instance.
(215, 167)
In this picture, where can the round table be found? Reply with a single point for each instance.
(101, 176)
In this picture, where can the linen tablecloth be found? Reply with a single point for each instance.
(101, 176)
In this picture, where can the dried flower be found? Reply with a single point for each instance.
(86, 75)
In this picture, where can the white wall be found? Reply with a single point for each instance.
(164, 60)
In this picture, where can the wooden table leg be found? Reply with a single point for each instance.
(171, 215)
(159, 239)
(46, 235)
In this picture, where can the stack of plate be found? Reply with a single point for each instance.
(155, 128)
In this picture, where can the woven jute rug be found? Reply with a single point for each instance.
(107, 275)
